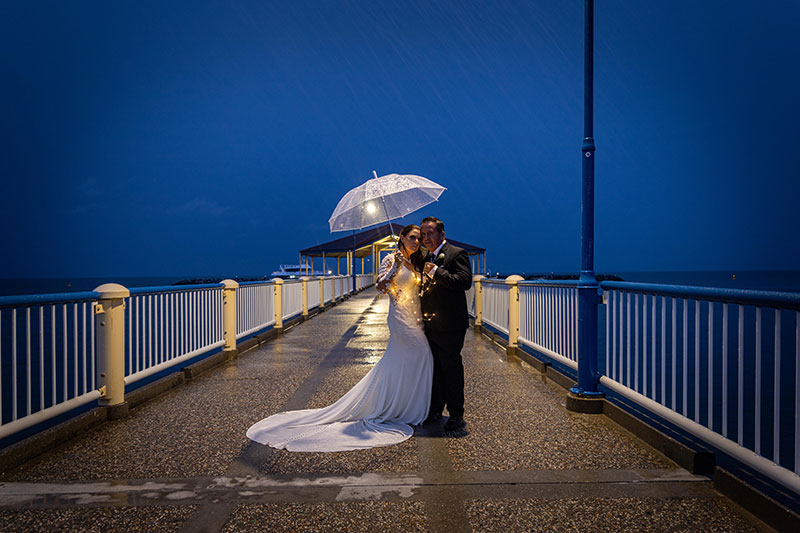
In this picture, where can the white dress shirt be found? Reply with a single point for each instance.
(435, 253)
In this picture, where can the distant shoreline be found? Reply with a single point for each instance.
(768, 280)
(771, 280)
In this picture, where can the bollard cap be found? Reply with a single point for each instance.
(478, 277)
(230, 284)
(513, 279)
(112, 290)
(277, 281)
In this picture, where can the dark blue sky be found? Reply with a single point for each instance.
(215, 138)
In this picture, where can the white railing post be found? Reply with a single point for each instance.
(322, 293)
(229, 316)
(478, 295)
(109, 319)
(333, 290)
(278, 305)
(513, 313)
(304, 280)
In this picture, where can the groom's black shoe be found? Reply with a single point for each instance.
(433, 418)
(454, 424)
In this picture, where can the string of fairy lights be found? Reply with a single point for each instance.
(399, 296)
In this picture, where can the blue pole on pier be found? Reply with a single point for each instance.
(588, 288)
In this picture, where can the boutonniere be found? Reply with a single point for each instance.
(440, 256)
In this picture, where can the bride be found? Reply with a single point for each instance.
(395, 393)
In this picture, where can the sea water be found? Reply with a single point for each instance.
(764, 280)
(25, 286)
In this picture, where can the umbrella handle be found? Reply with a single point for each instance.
(388, 220)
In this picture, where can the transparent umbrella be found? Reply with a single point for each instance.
(382, 199)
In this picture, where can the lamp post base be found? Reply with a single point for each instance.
(587, 404)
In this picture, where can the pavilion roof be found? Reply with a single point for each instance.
(362, 243)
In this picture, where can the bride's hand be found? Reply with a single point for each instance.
(383, 285)
(405, 260)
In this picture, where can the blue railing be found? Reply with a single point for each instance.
(165, 326)
(48, 343)
(47, 356)
(549, 319)
(721, 364)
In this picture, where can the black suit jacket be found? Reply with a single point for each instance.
(444, 304)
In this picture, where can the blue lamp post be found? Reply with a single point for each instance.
(585, 396)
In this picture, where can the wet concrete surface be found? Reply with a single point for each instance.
(181, 462)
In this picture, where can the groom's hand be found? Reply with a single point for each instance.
(429, 268)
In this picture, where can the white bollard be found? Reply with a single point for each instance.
(477, 280)
(109, 320)
(513, 313)
(304, 280)
(278, 304)
(229, 315)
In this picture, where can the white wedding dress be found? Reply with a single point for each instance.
(381, 408)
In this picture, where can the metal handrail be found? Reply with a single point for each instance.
(47, 299)
(174, 288)
(787, 300)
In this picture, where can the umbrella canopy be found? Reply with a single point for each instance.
(383, 199)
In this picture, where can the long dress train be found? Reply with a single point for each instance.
(381, 408)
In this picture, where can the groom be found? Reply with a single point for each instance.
(444, 311)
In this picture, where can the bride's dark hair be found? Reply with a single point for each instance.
(417, 256)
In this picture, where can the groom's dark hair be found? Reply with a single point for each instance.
(439, 223)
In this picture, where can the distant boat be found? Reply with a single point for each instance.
(296, 271)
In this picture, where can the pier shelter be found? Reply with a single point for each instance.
(368, 245)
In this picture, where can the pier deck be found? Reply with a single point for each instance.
(181, 462)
